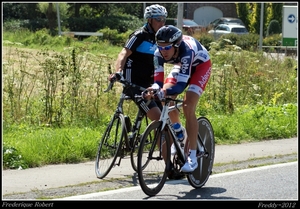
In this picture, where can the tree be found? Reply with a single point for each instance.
(242, 12)
(273, 28)
(25, 11)
(74, 9)
(51, 16)
(90, 10)
(254, 17)
(274, 12)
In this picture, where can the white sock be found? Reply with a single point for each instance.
(192, 154)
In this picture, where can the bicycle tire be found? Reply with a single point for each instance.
(110, 146)
(136, 143)
(151, 165)
(199, 177)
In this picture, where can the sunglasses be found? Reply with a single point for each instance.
(160, 19)
(164, 47)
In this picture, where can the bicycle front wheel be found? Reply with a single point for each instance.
(110, 146)
(205, 154)
(153, 159)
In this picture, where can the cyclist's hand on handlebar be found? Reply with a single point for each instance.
(111, 77)
(115, 76)
(154, 92)
(160, 94)
(147, 94)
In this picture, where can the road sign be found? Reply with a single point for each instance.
(290, 26)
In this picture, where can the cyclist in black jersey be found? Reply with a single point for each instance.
(135, 61)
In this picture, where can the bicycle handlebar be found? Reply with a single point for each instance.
(126, 83)
(166, 100)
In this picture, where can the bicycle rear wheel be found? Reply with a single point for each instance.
(151, 164)
(110, 146)
(205, 154)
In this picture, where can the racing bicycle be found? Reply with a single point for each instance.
(155, 159)
(120, 138)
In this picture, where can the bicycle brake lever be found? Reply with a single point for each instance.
(109, 87)
(111, 84)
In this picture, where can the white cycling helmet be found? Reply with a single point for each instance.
(155, 10)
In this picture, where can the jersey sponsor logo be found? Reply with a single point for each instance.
(205, 78)
(129, 61)
(184, 64)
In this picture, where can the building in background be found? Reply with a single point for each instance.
(204, 13)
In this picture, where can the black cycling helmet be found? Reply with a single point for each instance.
(169, 34)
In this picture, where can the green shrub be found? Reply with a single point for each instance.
(205, 39)
(12, 25)
(245, 41)
(248, 41)
(114, 37)
(121, 23)
(12, 158)
(272, 40)
(273, 28)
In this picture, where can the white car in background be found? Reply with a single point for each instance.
(228, 28)
(225, 20)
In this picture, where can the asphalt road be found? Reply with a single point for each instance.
(273, 182)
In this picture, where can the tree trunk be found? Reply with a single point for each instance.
(51, 16)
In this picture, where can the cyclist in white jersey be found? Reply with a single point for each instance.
(191, 70)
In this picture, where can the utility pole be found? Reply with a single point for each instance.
(58, 19)
(144, 7)
(179, 15)
(261, 26)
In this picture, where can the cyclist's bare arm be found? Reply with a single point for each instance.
(120, 62)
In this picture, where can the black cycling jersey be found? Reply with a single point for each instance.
(139, 67)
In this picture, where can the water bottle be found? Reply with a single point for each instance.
(178, 130)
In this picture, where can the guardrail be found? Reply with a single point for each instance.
(82, 33)
(288, 50)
